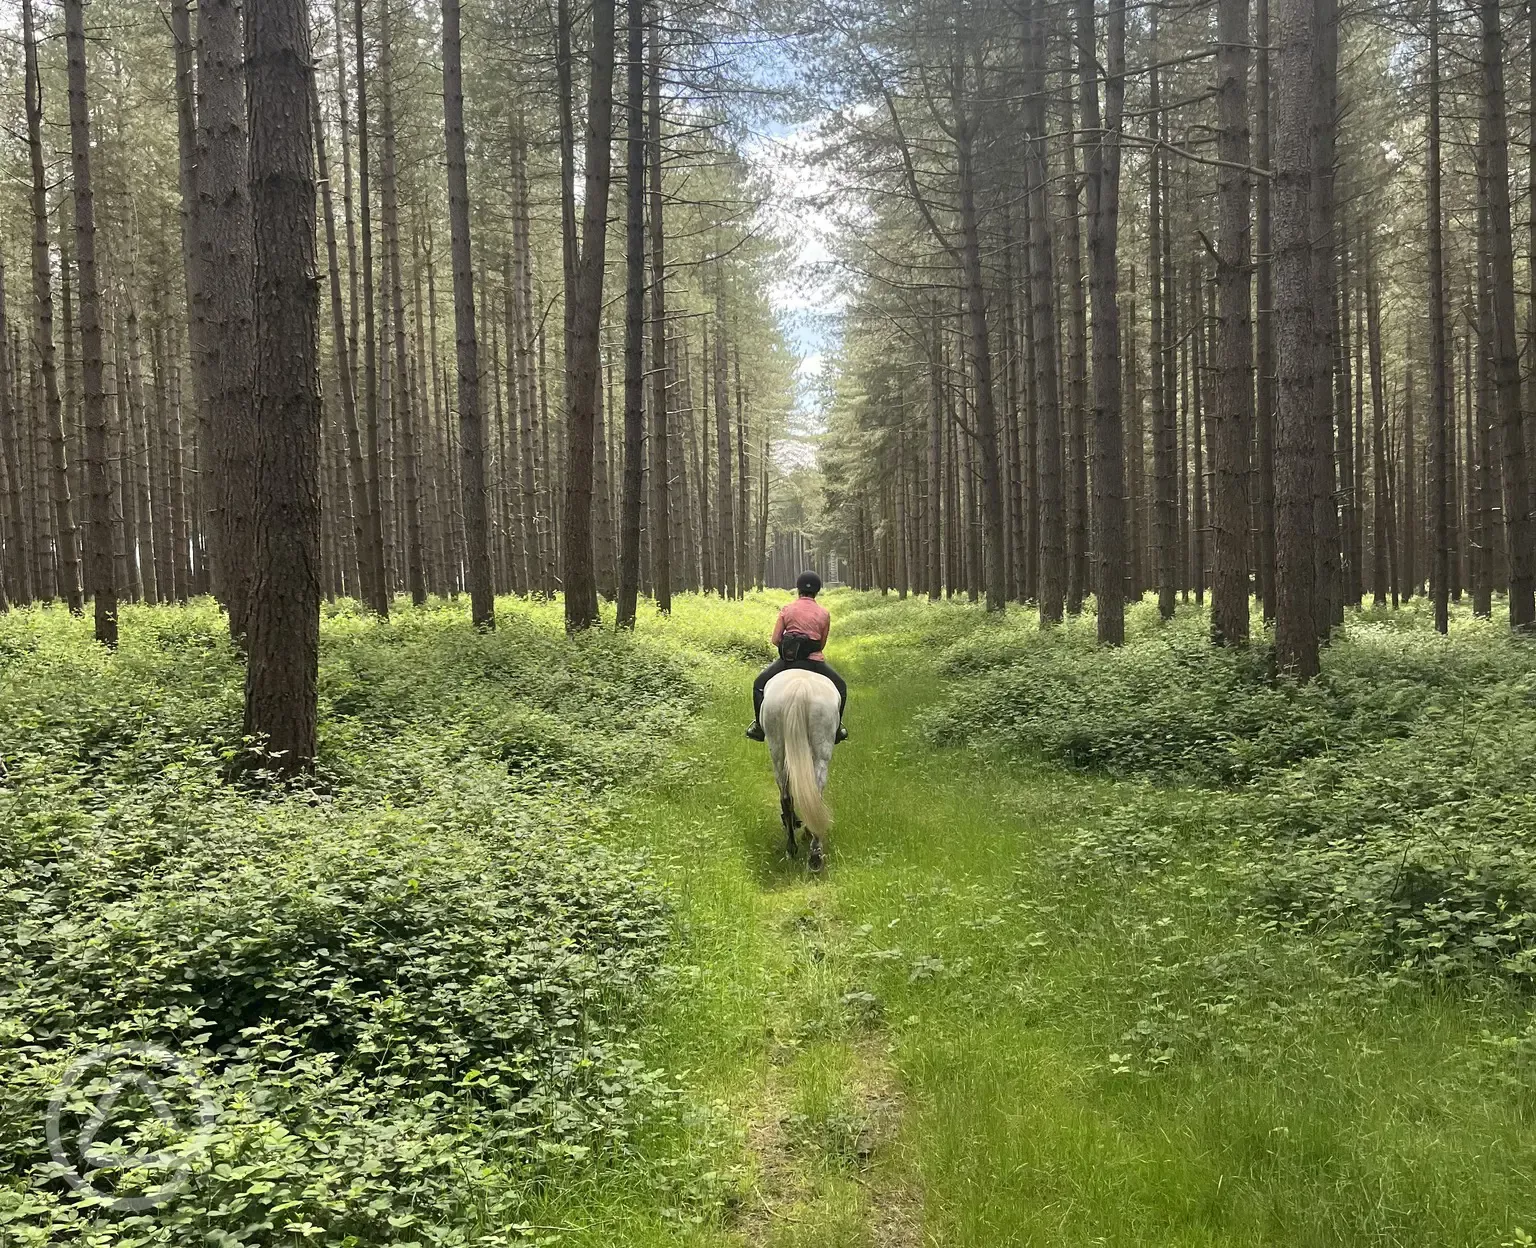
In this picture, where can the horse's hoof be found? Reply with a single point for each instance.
(817, 860)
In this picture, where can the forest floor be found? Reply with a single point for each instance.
(947, 1039)
(1132, 947)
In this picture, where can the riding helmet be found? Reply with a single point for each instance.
(809, 584)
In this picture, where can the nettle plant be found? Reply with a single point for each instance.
(409, 986)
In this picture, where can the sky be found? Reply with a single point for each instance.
(805, 296)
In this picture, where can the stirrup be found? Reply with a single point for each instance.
(842, 735)
(756, 733)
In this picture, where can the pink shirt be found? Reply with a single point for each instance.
(807, 617)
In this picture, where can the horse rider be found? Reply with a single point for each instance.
(799, 633)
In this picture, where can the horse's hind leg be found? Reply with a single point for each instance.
(817, 858)
(787, 814)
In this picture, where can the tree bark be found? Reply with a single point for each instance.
(1050, 499)
(1296, 640)
(101, 581)
(1518, 526)
(1103, 173)
(67, 534)
(1232, 411)
(378, 577)
(1439, 415)
(1264, 440)
(661, 501)
(477, 547)
(20, 571)
(632, 501)
(283, 633)
(584, 301)
(724, 498)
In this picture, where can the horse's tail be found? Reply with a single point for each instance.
(800, 762)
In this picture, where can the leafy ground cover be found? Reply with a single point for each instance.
(1032, 1001)
(409, 986)
(1391, 802)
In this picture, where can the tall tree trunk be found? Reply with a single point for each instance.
(1164, 485)
(585, 301)
(224, 232)
(1103, 180)
(19, 570)
(68, 535)
(400, 390)
(1518, 526)
(1077, 381)
(101, 581)
(1050, 495)
(1439, 414)
(1296, 640)
(346, 379)
(1381, 506)
(191, 258)
(1327, 602)
(661, 505)
(477, 538)
(378, 578)
(283, 625)
(1264, 440)
(1232, 412)
(634, 318)
(138, 426)
(724, 499)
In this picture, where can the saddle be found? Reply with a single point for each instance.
(797, 647)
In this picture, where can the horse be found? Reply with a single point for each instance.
(799, 717)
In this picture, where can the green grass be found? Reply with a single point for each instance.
(1081, 1054)
(987, 1025)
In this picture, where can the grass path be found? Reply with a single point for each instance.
(948, 1040)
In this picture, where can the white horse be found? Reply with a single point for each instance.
(799, 718)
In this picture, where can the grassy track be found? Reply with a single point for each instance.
(951, 1040)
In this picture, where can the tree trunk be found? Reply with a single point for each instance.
(1103, 181)
(724, 498)
(661, 505)
(378, 575)
(138, 427)
(1296, 640)
(585, 301)
(19, 570)
(1381, 507)
(101, 582)
(1264, 440)
(632, 501)
(1161, 416)
(224, 232)
(1439, 416)
(1077, 383)
(191, 258)
(1231, 416)
(400, 391)
(283, 634)
(1050, 494)
(477, 547)
(68, 535)
(1518, 526)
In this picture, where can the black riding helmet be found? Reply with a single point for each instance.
(809, 584)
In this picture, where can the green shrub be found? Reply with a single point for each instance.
(408, 986)
(1390, 803)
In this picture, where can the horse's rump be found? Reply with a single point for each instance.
(799, 718)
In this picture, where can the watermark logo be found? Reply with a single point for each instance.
(146, 1073)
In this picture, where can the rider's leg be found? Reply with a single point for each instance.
(830, 672)
(755, 732)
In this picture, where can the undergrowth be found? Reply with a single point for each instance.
(409, 986)
(1390, 804)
